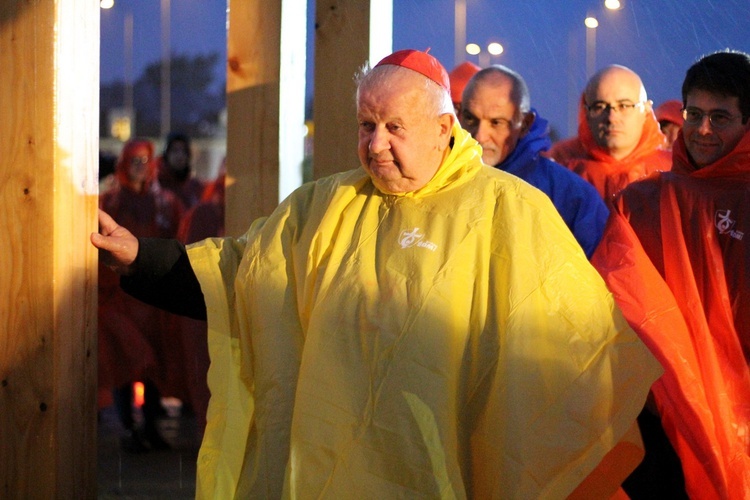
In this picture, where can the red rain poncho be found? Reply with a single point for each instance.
(676, 257)
(583, 156)
(132, 342)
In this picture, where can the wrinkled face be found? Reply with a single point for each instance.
(490, 116)
(138, 160)
(177, 156)
(618, 130)
(401, 138)
(705, 142)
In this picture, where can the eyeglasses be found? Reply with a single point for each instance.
(717, 119)
(624, 108)
(139, 160)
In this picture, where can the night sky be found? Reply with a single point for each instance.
(544, 40)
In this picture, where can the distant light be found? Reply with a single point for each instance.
(473, 49)
(121, 128)
(139, 391)
(612, 4)
(591, 22)
(107, 4)
(495, 49)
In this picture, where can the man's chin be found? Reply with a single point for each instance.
(491, 160)
(389, 187)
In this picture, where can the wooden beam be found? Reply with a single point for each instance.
(265, 106)
(348, 33)
(49, 88)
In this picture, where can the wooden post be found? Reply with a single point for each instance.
(49, 97)
(265, 106)
(348, 33)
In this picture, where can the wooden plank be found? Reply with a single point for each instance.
(48, 165)
(265, 81)
(348, 33)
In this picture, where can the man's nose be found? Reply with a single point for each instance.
(705, 125)
(379, 141)
(482, 132)
(609, 115)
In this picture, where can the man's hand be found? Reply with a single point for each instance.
(119, 246)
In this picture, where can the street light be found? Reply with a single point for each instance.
(591, 22)
(591, 25)
(107, 4)
(613, 4)
(493, 49)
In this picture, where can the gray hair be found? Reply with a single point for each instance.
(519, 93)
(438, 99)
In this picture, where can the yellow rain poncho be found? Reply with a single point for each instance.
(449, 342)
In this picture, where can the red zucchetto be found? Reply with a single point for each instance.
(421, 62)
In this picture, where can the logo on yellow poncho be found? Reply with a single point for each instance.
(410, 238)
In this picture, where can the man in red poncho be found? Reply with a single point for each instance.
(669, 116)
(175, 170)
(619, 140)
(676, 256)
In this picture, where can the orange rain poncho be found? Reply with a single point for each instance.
(448, 342)
(583, 156)
(675, 256)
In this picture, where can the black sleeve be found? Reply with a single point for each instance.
(165, 279)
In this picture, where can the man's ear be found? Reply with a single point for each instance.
(445, 122)
(528, 121)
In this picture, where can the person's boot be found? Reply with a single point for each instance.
(130, 441)
(152, 410)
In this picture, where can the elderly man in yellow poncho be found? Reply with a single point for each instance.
(423, 326)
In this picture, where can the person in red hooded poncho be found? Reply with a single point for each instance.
(619, 140)
(669, 115)
(131, 341)
(676, 256)
(459, 77)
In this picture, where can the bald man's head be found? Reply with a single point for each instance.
(617, 107)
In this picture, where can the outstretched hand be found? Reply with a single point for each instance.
(119, 246)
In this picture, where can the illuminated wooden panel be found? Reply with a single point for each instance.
(265, 106)
(49, 96)
(348, 33)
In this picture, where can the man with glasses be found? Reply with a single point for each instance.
(619, 140)
(497, 113)
(676, 256)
